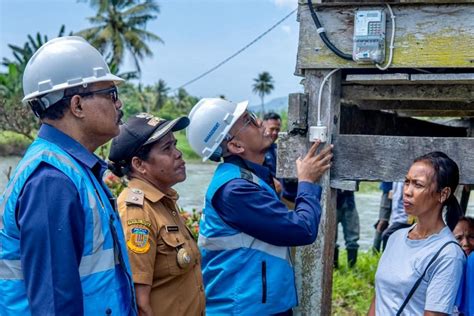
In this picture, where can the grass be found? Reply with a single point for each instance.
(353, 289)
(13, 144)
(185, 148)
(365, 187)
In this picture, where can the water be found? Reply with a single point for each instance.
(192, 193)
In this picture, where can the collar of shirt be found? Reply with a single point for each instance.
(152, 193)
(260, 171)
(73, 148)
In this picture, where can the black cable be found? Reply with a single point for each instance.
(324, 37)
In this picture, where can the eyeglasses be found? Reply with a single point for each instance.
(250, 118)
(112, 92)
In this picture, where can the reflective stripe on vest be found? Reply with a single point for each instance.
(98, 238)
(98, 262)
(242, 240)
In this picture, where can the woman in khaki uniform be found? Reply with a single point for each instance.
(165, 260)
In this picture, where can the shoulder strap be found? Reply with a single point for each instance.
(417, 283)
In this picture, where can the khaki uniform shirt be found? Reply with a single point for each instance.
(161, 250)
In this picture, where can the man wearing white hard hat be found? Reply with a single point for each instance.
(61, 242)
(245, 230)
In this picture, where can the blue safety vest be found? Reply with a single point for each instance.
(242, 275)
(104, 269)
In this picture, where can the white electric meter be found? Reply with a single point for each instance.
(369, 36)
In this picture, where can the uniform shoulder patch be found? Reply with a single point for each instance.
(139, 241)
(135, 197)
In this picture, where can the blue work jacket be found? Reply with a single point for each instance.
(242, 274)
(104, 269)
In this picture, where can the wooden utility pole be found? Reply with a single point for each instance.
(371, 114)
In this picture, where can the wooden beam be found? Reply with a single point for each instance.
(437, 113)
(387, 158)
(314, 263)
(396, 78)
(414, 105)
(460, 93)
(426, 36)
(462, 78)
(297, 113)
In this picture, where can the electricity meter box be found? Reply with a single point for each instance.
(369, 36)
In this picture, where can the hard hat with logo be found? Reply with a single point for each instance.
(59, 64)
(211, 119)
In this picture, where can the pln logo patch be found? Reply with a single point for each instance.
(139, 241)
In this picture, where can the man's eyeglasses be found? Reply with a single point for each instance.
(112, 92)
(250, 118)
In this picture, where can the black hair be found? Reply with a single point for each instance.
(271, 116)
(446, 175)
(124, 167)
(469, 220)
(57, 110)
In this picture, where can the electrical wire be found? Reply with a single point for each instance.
(322, 33)
(320, 96)
(392, 41)
(236, 53)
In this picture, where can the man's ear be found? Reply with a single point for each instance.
(76, 107)
(235, 147)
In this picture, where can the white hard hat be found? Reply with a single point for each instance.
(211, 119)
(63, 63)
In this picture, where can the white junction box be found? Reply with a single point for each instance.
(369, 36)
(318, 133)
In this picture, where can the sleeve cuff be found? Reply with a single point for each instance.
(305, 187)
(143, 278)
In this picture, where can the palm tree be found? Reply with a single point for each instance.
(120, 26)
(262, 86)
(161, 89)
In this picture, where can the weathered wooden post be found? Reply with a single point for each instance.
(371, 114)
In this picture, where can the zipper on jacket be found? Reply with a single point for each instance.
(264, 282)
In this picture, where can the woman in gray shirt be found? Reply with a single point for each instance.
(427, 250)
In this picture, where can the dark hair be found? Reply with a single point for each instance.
(469, 220)
(447, 175)
(124, 167)
(271, 116)
(57, 110)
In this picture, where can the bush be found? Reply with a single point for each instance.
(353, 289)
(13, 144)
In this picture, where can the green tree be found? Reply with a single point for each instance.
(23, 54)
(120, 27)
(263, 85)
(161, 89)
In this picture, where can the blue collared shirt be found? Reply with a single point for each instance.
(253, 210)
(52, 224)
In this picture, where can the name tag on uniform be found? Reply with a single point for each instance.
(171, 228)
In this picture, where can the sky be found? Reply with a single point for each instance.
(197, 35)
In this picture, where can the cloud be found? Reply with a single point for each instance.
(286, 29)
(287, 3)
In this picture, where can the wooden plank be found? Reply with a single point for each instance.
(289, 149)
(462, 78)
(387, 158)
(397, 78)
(297, 113)
(345, 185)
(436, 113)
(462, 93)
(427, 36)
(369, 122)
(414, 105)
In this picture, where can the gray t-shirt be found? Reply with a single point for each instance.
(404, 261)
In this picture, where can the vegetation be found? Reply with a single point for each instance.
(120, 26)
(262, 86)
(353, 289)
